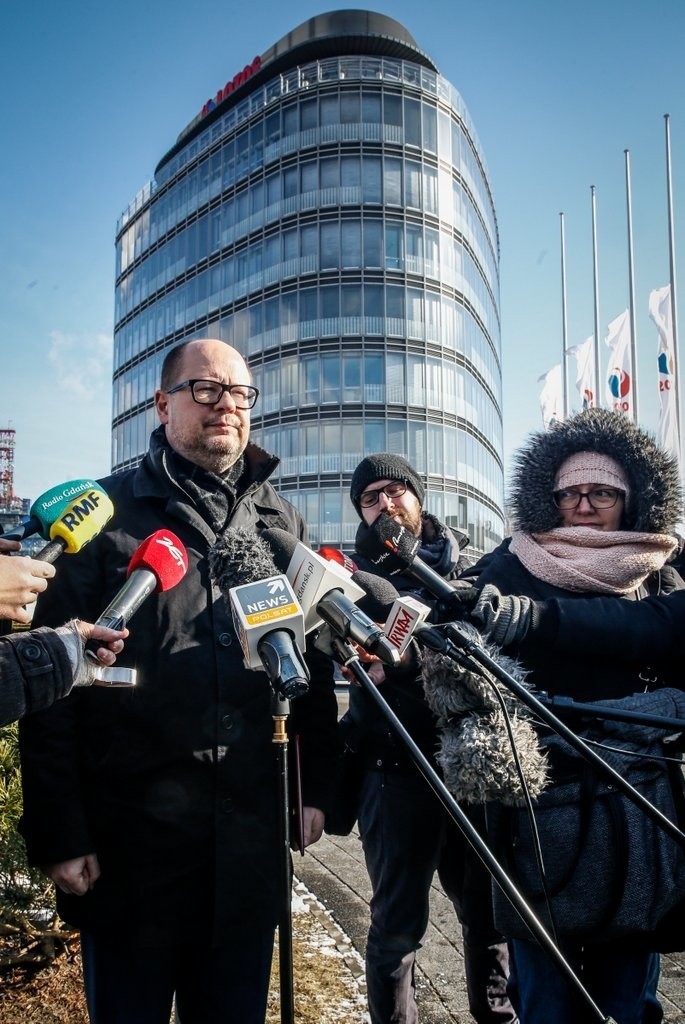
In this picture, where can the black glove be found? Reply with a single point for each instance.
(459, 605)
(504, 618)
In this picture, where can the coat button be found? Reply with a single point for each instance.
(227, 722)
(31, 651)
(225, 639)
(227, 805)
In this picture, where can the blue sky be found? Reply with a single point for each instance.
(92, 95)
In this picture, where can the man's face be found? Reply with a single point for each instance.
(212, 436)
(404, 508)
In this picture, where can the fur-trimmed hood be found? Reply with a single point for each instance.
(655, 501)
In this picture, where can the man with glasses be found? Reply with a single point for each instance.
(405, 833)
(154, 811)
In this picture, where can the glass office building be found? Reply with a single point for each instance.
(328, 212)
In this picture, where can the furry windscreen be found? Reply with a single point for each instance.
(475, 749)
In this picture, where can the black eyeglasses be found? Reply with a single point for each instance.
(393, 490)
(599, 497)
(209, 392)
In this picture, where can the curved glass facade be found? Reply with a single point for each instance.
(336, 225)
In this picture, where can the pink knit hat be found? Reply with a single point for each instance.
(591, 468)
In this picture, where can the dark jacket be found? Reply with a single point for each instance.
(651, 629)
(171, 783)
(588, 670)
(403, 688)
(600, 875)
(35, 671)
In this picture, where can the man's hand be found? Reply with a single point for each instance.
(313, 822)
(21, 581)
(76, 876)
(112, 640)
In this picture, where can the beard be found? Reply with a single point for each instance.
(215, 453)
(409, 518)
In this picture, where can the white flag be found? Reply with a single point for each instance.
(551, 397)
(660, 313)
(619, 385)
(585, 376)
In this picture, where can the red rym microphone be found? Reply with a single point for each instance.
(48, 507)
(158, 564)
(82, 520)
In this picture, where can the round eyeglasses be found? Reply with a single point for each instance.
(370, 498)
(598, 497)
(209, 392)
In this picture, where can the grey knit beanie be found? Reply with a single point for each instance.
(384, 466)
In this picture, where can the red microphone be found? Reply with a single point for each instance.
(158, 564)
(336, 555)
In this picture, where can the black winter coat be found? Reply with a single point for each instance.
(35, 671)
(373, 736)
(587, 671)
(172, 783)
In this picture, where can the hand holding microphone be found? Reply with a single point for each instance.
(393, 549)
(328, 593)
(21, 581)
(158, 564)
(504, 618)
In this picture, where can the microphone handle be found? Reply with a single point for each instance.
(282, 663)
(51, 551)
(350, 622)
(25, 529)
(128, 600)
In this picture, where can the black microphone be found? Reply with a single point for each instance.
(393, 548)
(267, 618)
(329, 600)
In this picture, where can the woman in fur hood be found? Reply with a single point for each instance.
(594, 503)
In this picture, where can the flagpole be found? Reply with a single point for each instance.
(672, 268)
(596, 294)
(631, 284)
(564, 322)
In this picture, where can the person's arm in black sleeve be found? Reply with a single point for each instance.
(35, 671)
(652, 628)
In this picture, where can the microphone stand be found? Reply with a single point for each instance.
(349, 658)
(280, 709)
(466, 651)
(562, 704)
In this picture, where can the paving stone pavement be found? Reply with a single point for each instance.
(334, 871)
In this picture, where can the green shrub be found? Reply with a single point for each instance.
(24, 891)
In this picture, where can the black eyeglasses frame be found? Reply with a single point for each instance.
(252, 398)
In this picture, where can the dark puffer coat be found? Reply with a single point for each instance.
(584, 671)
(655, 503)
(35, 671)
(654, 506)
(171, 783)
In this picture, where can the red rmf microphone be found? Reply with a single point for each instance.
(158, 564)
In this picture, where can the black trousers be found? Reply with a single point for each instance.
(407, 836)
(225, 984)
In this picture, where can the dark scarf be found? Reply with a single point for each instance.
(436, 546)
(212, 496)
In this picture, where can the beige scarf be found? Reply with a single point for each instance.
(582, 559)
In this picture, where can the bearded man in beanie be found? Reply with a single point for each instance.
(406, 834)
